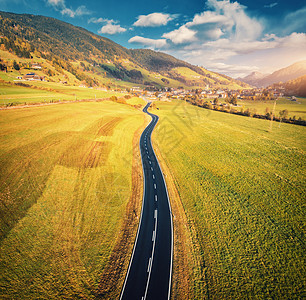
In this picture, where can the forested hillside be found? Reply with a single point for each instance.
(79, 55)
(295, 87)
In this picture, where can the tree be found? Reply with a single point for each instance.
(3, 67)
(268, 113)
(283, 114)
(16, 66)
(113, 98)
(233, 100)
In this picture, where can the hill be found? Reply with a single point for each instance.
(72, 54)
(289, 73)
(295, 87)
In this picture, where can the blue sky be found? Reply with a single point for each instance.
(231, 37)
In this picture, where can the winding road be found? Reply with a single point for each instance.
(150, 269)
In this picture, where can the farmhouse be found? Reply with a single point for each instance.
(33, 76)
(36, 66)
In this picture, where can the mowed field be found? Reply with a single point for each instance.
(243, 192)
(65, 189)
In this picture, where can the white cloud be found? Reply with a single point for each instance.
(293, 40)
(210, 34)
(57, 3)
(295, 21)
(61, 5)
(153, 20)
(111, 28)
(181, 35)
(271, 5)
(223, 19)
(80, 11)
(159, 43)
(227, 39)
(69, 12)
(239, 59)
(99, 20)
(208, 17)
(220, 33)
(240, 47)
(235, 21)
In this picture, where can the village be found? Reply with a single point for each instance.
(215, 94)
(218, 96)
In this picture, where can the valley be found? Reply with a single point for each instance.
(213, 189)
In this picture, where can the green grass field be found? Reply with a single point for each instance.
(297, 109)
(135, 101)
(65, 183)
(50, 92)
(243, 191)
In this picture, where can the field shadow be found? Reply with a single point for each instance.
(25, 170)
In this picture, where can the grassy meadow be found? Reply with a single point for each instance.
(295, 108)
(243, 191)
(65, 185)
(42, 92)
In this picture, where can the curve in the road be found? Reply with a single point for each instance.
(150, 270)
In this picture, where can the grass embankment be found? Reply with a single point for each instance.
(242, 189)
(68, 206)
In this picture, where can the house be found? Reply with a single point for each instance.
(36, 66)
(293, 98)
(33, 76)
(278, 94)
(136, 89)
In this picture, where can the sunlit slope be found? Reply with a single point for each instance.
(243, 191)
(66, 181)
(204, 78)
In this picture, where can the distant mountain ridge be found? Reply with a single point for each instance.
(285, 74)
(253, 78)
(93, 58)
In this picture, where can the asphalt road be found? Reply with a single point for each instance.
(150, 270)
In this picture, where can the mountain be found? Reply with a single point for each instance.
(289, 73)
(253, 78)
(73, 54)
